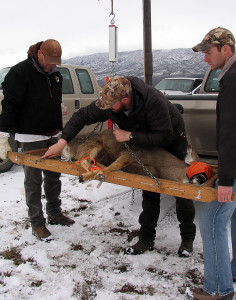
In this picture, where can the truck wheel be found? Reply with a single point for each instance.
(6, 164)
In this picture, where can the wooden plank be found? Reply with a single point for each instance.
(168, 187)
(211, 181)
(205, 193)
(45, 164)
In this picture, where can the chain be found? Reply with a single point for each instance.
(112, 13)
(112, 68)
(141, 163)
(133, 198)
(90, 134)
(83, 140)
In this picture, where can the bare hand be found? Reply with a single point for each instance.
(121, 135)
(54, 150)
(225, 193)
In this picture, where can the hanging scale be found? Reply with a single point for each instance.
(113, 32)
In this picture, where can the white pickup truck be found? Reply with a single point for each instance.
(79, 88)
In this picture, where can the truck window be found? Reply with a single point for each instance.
(67, 85)
(197, 83)
(85, 82)
(212, 84)
(178, 84)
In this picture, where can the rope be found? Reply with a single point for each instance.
(94, 167)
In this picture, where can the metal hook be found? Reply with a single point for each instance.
(112, 68)
(113, 19)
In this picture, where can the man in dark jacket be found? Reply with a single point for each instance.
(146, 118)
(219, 48)
(31, 109)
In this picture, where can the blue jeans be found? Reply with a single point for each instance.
(213, 220)
(233, 236)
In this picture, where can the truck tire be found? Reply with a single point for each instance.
(6, 164)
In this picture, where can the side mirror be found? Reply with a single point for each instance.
(180, 107)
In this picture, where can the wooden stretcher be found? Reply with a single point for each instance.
(204, 192)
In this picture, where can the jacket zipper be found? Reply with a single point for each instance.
(49, 86)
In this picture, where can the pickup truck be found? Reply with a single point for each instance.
(178, 85)
(199, 113)
(79, 89)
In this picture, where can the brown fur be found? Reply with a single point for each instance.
(105, 149)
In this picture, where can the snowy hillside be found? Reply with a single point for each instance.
(166, 63)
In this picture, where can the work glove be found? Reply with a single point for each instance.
(4, 145)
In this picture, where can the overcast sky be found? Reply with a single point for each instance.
(81, 26)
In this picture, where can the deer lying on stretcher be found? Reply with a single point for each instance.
(113, 156)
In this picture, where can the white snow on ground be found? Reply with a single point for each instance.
(86, 261)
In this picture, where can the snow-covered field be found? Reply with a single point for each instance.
(86, 261)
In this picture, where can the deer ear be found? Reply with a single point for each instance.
(191, 155)
(190, 148)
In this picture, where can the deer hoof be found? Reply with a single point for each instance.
(101, 177)
(81, 178)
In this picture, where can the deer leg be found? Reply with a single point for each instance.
(89, 175)
(123, 160)
(93, 174)
(87, 163)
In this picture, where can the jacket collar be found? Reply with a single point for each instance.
(227, 66)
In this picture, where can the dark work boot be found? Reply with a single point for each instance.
(60, 220)
(186, 248)
(41, 232)
(200, 294)
(140, 247)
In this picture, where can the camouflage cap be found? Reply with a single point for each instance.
(114, 90)
(217, 36)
